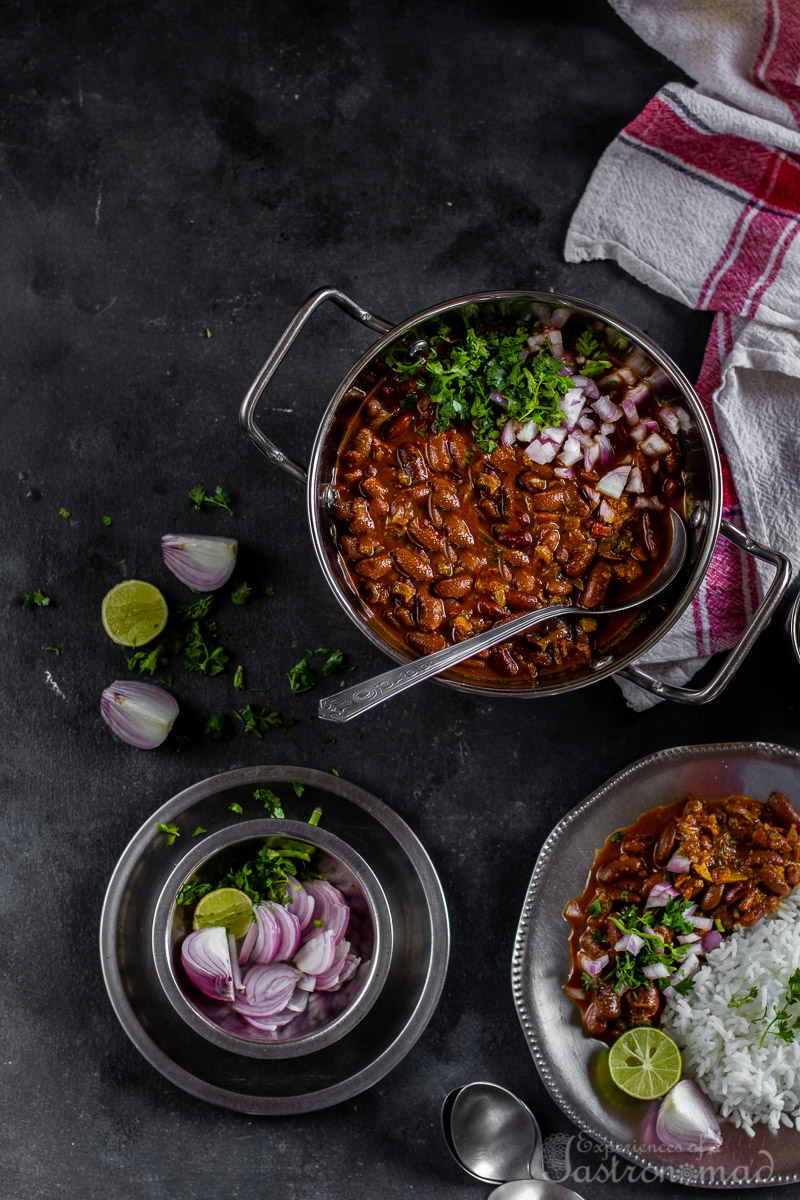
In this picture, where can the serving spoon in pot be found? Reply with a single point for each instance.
(351, 702)
(494, 1137)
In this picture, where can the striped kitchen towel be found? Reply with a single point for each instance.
(699, 197)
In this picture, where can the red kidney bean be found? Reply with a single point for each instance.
(773, 881)
(430, 612)
(458, 531)
(734, 892)
(374, 568)
(580, 560)
(624, 865)
(521, 601)
(438, 453)
(783, 811)
(651, 538)
(426, 643)
(712, 896)
(665, 844)
(445, 495)
(503, 660)
(600, 577)
(455, 588)
(414, 565)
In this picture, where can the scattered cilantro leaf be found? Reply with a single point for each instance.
(260, 721)
(684, 987)
(198, 496)
(298, 788)
(209, 333)
(195, 611)
(301, 677)
(238, 678)
(106, 520)
(595, 908)
(234, 806)
(335, 662)
(193, 890)
(54, 649)
(200, 650)
(334, 771)
(64, 512)
(242, 593)
(738, 1001)
(587, 982)
(219, 728)
(199, 830)
(36, 598)
(171, 831)
(618, 836)
(269, 590)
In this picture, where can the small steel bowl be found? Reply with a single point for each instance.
(335, 1013)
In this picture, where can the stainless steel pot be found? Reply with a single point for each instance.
(703, 490)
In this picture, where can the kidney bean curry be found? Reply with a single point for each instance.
(664, 892)
(493, 469)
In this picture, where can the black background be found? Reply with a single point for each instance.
(172, 168)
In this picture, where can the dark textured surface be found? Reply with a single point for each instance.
(171, 168)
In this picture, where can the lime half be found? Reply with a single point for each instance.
(645, 1063)
(134, 612)
(227, 907)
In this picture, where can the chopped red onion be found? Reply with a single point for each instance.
(655, 971)
(635, 484)
(606, 449)
(587, 425)
(509, 434)
(263, 939)
(669, 419)
(299, 1001)
(638, 361)
(712, 940)
(684, 420)
(559, 317)
(556, 342)
(701, 923)
(639, 433)
(537, 341)
(541, 312)
(630, 943)
(593, 966)
(631, 412)
(686, 939)
(206, 959)
(554, 435)
(591, 495)
(140, 714)
(290, 931)
(590, 456)
(658, 379)
(606, 513)
(564, 472)
(570, 452)
(499, 399)
(606, 409)
(541, 452)
(613, 484)
(526, 432)
(655, 446)
(679, 864)
(571, 404)
(204, 563)
(661, 894)
(588, 386)
(651, 502)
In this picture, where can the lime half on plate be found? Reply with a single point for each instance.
(645, 1063)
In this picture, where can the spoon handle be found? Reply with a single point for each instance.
(352, 701)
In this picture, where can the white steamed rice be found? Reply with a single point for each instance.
(720, 1044)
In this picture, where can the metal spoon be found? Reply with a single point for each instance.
(494, 1137)
(351, 702)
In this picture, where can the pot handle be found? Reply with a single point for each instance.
(247, 412)
(731, 664)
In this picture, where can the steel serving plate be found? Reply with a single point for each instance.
(337, 1071)
(702, 473)
(573, 1067)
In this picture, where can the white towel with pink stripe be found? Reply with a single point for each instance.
(699, 197)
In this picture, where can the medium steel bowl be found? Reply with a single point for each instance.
(336, 1013)
(702, 475)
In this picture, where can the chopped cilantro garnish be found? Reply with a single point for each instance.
(218, 727)
(595, 908)
(201, 652)
(272, 803)
(36, 598)
(199, 830)
(196, 610)
(335, 662)
(738, 1001)
(618, 836)
(298, 788)
(64, 512)
(684, 987)
(172, 832)
(587, 982)
(106, 520)
(242, 593)
(238, 678)
(234, 806)
(54, 649)
(334, 771)
(269, 590)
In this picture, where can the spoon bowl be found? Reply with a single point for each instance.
(533, 1189)
(351, 702)
(491, 1134)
